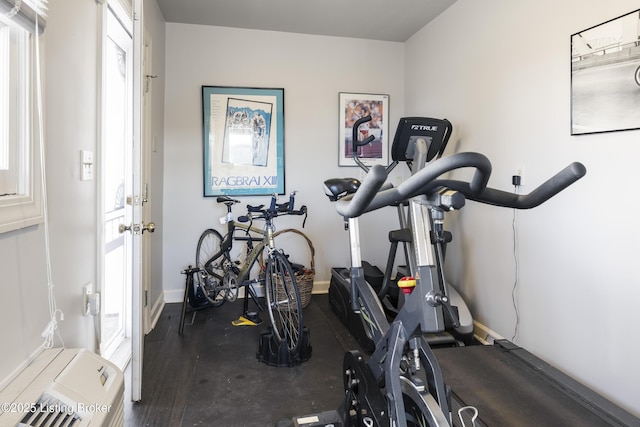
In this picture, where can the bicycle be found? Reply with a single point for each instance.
(401, 384)
(221, 276)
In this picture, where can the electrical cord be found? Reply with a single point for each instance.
(517, 269)
(52, 327)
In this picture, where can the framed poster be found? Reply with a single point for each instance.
(353, 106)
(243, 138)
(605, 76)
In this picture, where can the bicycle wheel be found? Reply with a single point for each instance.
(420, 408)
(283, 301)
(637, 76)
(209, 277)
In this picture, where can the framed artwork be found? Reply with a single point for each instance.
(243, 139)
(605, 76)
(353, 106)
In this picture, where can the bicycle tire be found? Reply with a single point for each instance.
(208, 245)
(283, 301)
(636, 76)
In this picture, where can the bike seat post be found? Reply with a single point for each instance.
(356, 260)
(269, 231)
(423, 258)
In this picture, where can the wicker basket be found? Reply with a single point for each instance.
(305, 279)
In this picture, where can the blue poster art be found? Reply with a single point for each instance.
(243, 138)
(246, 133)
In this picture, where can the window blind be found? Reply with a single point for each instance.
(26, 13)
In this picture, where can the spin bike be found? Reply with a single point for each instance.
(459, 327)
(401, 383)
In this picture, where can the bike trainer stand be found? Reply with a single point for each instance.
(196, 302)
(277, 354)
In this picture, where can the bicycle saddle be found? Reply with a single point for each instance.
(227, 200)
(337, 188)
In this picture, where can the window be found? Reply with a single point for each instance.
(13, 115)
(20, 186)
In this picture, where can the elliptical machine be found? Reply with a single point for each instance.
(459, 322)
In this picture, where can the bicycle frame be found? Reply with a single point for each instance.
(256, 250)
(391, 339)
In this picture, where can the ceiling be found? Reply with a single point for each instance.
(391, 20)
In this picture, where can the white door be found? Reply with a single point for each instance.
(122, 332)
(117, 185)
(137, 318)
(147, 148)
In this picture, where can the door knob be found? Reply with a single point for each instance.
(137, 228)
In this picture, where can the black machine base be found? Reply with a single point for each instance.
(321, 419)
(340, 302)
(277, 354)
(363, 404)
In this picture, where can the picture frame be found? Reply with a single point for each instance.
(243, 141)
(353, 106)
(605, 76)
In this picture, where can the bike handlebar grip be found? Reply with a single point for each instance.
(351, 207)
(354, 133)
(547, 189)
(301, 211)
(254, 208)
(538, 196)
(426, 179)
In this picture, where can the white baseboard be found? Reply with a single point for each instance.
(33, 356)
(173, 295)
(177, 295)
(485, 335)
(156, 310)
(320, 287)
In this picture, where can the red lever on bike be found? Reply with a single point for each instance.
(407, 284)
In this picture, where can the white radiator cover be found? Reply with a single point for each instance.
(65, 387)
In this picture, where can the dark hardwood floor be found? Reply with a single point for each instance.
(210, 375)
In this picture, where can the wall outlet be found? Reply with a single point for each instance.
(94, 303)
(86, 165)
(87, 290)
(520, 174)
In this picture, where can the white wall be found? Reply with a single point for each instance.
(312, 70)
(70, 65)
(500, 72)
(70, 111)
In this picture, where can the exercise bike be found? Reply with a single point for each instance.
(401, 383)
(459, 328)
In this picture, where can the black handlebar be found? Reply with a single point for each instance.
(276, 209)
(538, 196)
(355, 143)
(372, 195)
